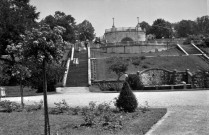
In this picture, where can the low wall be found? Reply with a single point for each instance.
(136, 48)
(156, 76)
(108, 85)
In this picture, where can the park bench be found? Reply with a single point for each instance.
(2, 92)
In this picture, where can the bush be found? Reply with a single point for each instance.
(34, 107)
(9, 106)
(101, 115)
(61, 107)
(135, 82)
(126, 101)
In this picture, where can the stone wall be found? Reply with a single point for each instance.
(118, 36)
(135, 49)
(200, 79)
(157, 76)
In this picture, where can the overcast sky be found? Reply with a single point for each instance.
(125, 12)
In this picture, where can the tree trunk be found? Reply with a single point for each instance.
(46, 115)
(21, 93)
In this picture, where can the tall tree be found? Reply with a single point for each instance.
(203, 25)
(43, 46)
(18, 68)
(161, 28)
(15, 17)
(66, 21)
(185, 28)
(146, 26)
(85, 31)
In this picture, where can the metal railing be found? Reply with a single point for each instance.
(141, 43)
(122, 29)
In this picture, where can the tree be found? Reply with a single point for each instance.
(54, 74)
(66, 21)
(16, 16)
(146, 26)
(43, 46)
(22, 73)
(4, 76)
(85, 31)
(18, 68)
(185, 28)
(126, 100)
(118, 66)
(161, 28)
(203, 25)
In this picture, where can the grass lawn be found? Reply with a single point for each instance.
(32, 123)
(171, 51)
(180, 63)
(14, 91)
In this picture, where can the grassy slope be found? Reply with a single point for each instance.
(180, 63)
(171, 51)
(20, 123)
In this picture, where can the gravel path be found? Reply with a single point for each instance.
(188, 111)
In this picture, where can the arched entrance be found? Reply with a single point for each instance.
(127, 39)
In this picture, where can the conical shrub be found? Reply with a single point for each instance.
(126, 101)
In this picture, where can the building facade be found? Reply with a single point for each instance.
(124, 34)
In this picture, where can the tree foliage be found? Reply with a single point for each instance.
(118, 66)
(161, 28)
(203, 25)
(44, 42)
(185, 28)
(66, 21)
(146, 26)
(16, 16)
(135, 82)
(85, 31)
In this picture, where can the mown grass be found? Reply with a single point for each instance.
(180, 63)
(14, 91)
(32, 123)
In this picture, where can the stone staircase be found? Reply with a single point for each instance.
(78, 75)
(191, 50)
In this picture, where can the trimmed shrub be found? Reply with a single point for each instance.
(126, 101)
(135, 82)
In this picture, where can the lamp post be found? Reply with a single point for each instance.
(114, 30)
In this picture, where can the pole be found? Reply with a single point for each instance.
(113, 25)
(21, 90)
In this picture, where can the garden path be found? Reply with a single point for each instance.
(188, 111)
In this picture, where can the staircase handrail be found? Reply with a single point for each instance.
(67, 67)
(197, 48)
(182, 49)
(203, 53)
(89, 65)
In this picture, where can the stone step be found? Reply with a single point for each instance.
(72, 90)
(78, 75)
(190, 49)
